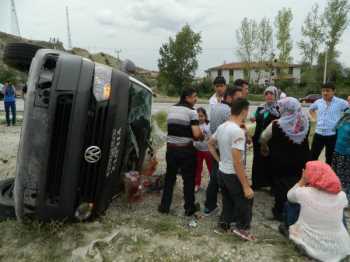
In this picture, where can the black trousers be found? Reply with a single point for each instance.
(319, 142)
(282, 183)
(213, 188)
(180, 161)
(236, 208)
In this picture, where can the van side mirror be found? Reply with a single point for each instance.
(128, 67)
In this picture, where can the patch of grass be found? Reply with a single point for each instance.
(161, 120)
(163, 225)
(255, 97)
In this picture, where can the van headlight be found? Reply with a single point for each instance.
(102, 82)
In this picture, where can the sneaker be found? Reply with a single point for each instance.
(163, 210)
(277, 215)
(209, 212)
(197, 207)
(243, 234)
(283, 229)
(224, 226)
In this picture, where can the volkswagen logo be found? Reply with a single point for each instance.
(92, 154)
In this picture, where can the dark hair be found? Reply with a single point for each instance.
(187, 92)
(240, 83)
(328, 85)
(231, 91)
(219, 80)
(204, 112)
(238, 106)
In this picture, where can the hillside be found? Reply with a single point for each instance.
(147, 76)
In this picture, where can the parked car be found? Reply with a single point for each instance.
(310, 98)
(85, 125)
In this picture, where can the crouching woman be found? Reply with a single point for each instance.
(319, 230)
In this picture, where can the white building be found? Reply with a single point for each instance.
(260, 73)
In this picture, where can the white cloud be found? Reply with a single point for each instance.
(105, 17)
(152, 15)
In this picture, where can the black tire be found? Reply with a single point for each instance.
(20, 55)
(7, 203)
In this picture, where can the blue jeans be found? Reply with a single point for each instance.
(10, 106)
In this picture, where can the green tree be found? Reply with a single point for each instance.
(336, 18)
(313, 36)
(264, 48)
(265, 40)
(8, 75)
(247, 42)
(179, 60)
(284, 41)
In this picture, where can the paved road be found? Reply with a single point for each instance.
(155, 108)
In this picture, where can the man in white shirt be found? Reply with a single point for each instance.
(244, 85)
(220, 88)
(237, 194)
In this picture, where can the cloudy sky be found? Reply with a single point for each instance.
(139, 27)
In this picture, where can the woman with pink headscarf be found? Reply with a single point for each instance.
(286, 142)
(319, 230)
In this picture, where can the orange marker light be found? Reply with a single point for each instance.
(107, 91)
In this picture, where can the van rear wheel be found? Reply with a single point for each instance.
(20, 55)
(7, 203)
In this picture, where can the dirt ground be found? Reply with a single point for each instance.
(138, 232)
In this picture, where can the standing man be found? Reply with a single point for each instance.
(220, 88)
(237, 194)
(329, 110)
(183, 128)
(242, 84)
(10, 102)
(219, 114)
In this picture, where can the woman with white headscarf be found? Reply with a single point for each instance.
(286, 142)
(264, 115)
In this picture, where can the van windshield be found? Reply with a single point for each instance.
(140, 103)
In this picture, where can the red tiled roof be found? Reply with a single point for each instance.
(244, 65)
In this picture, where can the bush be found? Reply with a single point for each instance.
(204, 87)
(161, 120)
(8, 75)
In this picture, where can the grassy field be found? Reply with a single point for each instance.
(137, 232)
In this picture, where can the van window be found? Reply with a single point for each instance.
(140, 102)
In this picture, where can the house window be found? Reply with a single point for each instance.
(290, 70)
(278, 71)
(231, 72)
(219, 72)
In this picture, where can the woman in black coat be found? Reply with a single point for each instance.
(286, 142)
(264, 115)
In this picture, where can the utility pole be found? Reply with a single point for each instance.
(118, 51)
(14, 20)
(68, 30)
(325, 67)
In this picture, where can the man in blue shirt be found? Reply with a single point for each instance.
(10, 102)
(329, 110)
